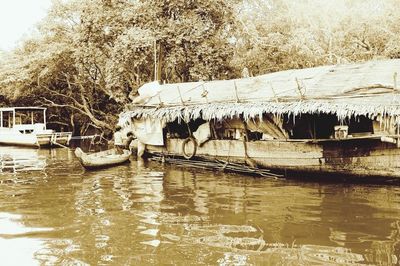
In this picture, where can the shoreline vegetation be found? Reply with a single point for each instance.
(87, 59)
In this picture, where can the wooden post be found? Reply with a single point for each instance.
(160, 60)
(189, 130)
(398, 132)
(44, 119)
(180, 95)
(13, 118)
(155, 60)
(32, 118)
(314, 130)
(247, 158)
(204, 93)
(299, 87)
(159, 98)
(273, 91)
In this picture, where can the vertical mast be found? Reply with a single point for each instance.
(44, 118)
(13, 125)
(155, 60)
(159, 61)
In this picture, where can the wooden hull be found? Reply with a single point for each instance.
(361, 158)
(21, 142)
(101, 159)
(35, 140)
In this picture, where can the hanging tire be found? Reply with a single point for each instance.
(189, 154)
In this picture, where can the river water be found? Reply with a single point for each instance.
(54, 212)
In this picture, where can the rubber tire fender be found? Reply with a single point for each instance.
(186, 141)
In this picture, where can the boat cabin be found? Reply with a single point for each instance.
(27, 126)
(25, 119)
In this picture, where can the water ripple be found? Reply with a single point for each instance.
(147, 213)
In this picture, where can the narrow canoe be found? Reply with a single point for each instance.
(101, 159)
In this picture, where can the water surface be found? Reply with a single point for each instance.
(54, 212)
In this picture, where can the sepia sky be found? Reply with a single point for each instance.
(18, 18)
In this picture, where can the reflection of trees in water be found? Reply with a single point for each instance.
(231, 204)
(119, 209)
(366, 219)
(304, 214)
(102, 234)
(138, 213)
(237, 200)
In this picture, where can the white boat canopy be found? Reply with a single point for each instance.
(13, 111)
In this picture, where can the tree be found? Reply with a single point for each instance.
(90, 55)
(296, 34)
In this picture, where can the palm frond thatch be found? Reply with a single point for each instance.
(369, 89)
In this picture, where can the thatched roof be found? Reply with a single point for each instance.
(346, 90)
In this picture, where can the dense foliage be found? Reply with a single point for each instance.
(89, 56)
(284, 34)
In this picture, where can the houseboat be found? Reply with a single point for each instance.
(26, 126)
(338, 119)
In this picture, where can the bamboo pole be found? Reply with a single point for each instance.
(299, 89)
(155, 60)
(44, 118)
(59, 144)
(274, 93)
(204, 92)
(180, 95)
(160, 60)
(236, 92)
(13, 114)
(218, 165)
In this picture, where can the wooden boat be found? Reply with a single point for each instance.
(329, 120)
(101, 159)
(26, 126)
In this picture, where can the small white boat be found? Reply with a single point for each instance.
(26, 126)
(102, 159)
